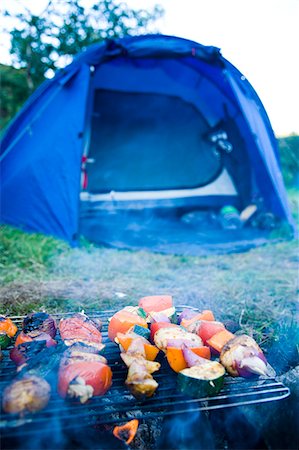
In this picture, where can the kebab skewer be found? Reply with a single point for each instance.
(83, 372)
(239, 354)
(30, 392)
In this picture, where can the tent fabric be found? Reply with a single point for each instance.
(63, 121)
(40, 180)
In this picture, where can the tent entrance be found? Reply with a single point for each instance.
(142, 142)
(152, 164)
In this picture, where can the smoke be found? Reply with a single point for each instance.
(191, 431)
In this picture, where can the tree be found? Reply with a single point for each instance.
(14, 91)
(41, 44)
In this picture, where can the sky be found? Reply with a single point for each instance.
(260, 37)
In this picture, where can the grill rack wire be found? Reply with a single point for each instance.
(118, 405)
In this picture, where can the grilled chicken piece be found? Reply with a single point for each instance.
(151, 366)
(242, 356)
(139, 380)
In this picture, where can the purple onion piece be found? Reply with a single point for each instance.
(191, 358)
(254, 366)
(187, 314)
(17, 355)
(244, 371)
(262, 357)
(159, 317)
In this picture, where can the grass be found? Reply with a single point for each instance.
(254, 289)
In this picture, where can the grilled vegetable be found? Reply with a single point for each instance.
(5, 340)
(31, 393)
(155, 317)
(125, 340)
(218, 340)
(80, 329)
(204, 315)
(176, 360)
(127, 431)
(155, 303)
(206, 329)
(40, 321)
(187, 314)
(33, 350)
(157, 326)
(141, 331)
(164, 335)
(192, 358)
(122, 321)
(167, 315)
(7, 331)
(241, 356)
(83, 379)
(35, 335)
(202, 380)
(7, 326)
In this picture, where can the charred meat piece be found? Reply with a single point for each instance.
(41, 321)
(77, 353)
(80, 329)
(21, 353)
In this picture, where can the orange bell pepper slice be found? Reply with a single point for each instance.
(122, 321)
(204, 315)
(218, 341)
(176, 360)
(7, 326)
(151, 351)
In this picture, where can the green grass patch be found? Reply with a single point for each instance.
(26, 256)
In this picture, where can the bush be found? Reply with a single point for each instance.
(289, 156)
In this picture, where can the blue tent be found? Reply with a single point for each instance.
(139, 122)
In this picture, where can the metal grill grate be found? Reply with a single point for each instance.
(118, 405)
